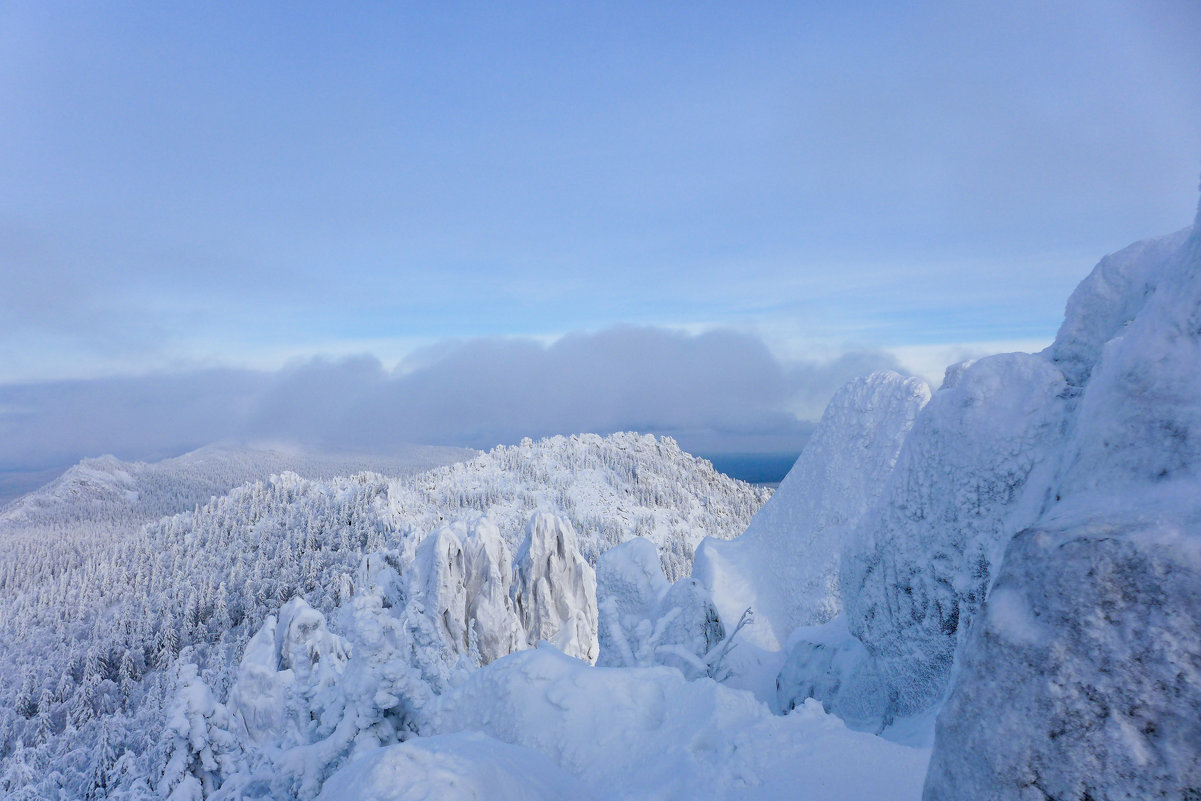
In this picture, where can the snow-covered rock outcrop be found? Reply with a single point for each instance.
(467, 577)
(1082, 678)
(786, 565)
(1061, 487)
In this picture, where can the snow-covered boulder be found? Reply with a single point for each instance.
(554, 591)
(821, 660)
(1083, 675)
(786, 565)
(453, 767)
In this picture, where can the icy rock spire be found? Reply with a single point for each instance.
(467, 576)
(554, 592)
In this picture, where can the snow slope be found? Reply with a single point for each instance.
(637, 733)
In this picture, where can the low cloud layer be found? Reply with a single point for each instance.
(720, 391)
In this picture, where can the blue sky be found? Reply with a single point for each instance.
(196, 186)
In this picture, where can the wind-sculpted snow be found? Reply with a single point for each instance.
(93, 615)
(786, 565)
(1084, 676)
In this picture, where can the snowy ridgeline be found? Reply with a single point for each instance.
(75, 517)
(91, 625)
(1021, 549)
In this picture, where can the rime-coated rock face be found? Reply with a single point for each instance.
(443, 570)
(924, 557)
(494, 627)
(554, 591)
(786, 565)
(1082, 678)
(466, 576)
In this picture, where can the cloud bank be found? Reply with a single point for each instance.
(716, 392)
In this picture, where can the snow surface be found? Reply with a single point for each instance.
(638, 733)
(453, 767)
